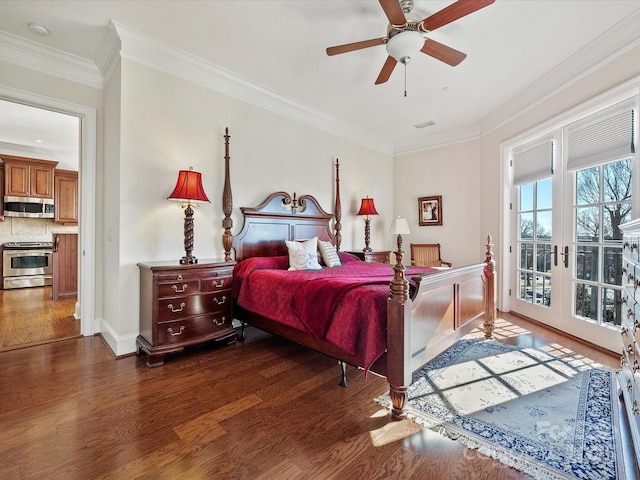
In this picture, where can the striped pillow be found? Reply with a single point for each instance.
(329, 254)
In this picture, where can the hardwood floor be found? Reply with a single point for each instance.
(28, 317)
(261, 409)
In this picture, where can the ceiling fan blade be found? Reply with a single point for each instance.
(393, 11)
(386, 71)
(443, 53)
(350, 47)
(453, 12)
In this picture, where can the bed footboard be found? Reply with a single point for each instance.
(441, 310)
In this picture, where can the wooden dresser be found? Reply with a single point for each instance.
(629, 376)
(373, 257)
(183, 305)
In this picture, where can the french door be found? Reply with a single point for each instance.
(567, 267)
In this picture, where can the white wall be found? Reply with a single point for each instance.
(167, 124)
(452, 172)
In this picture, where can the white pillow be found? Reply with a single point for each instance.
(329, 254)
(303, 255)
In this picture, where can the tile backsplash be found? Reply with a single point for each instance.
(15, 229)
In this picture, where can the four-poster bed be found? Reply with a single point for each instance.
(421, 313)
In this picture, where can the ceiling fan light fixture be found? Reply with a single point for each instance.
(402, 46)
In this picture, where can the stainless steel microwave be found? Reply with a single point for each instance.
(28, 207)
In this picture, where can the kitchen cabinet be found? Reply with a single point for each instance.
(2, 193)
(26, 177)
(65, 265)
(65, 197)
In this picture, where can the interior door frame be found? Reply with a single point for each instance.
(89, 324)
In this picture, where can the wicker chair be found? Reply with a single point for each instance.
(427, 255)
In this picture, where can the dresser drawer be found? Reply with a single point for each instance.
(217, 301)
(181, 331)
(214, 283)
(186, 287)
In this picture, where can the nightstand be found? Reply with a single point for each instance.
(183, 305)
(373, 257)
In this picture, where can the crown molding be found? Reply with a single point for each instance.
(142, 49)
(606, 48)
(32, 55)
(601, 51)
(123, 42)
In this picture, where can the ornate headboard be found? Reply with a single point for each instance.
(279, 218)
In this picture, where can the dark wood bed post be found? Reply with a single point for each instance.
(227, 202)
(337, 210)
(398, 331)
(490, 291)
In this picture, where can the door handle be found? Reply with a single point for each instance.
(555, 255)
(565, 254)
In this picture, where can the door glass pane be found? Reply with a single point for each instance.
(602, 203)
(543, 225)
(526, 197)
(526, 225)
(543, 194)
(588, 224)
(534, 242)
(587, 262)
(612, 216)
(586, 301)
(587, 186)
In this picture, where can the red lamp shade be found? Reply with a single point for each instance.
(367, 207)
(189, 188)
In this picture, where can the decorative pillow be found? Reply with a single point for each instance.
(303, 255)
(329, 254)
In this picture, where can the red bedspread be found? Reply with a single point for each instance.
(344, 305)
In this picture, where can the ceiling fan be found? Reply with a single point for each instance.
(407, 34)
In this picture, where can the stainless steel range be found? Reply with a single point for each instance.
(26, 264)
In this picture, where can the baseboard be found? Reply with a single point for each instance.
(119, 345)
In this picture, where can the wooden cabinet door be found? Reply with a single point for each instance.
(1, 194)
(16, 181)
(65, 265)
(66, 197)
(41, 181)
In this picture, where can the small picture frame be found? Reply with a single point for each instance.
(430, 210)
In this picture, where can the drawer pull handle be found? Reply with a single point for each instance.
(220, 302)
(175, 310)
(215, 284)
(175, 288)
(175, 334)
(221, 322)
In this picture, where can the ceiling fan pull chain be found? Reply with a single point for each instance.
(405, 79)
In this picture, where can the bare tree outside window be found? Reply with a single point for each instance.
(602, 204)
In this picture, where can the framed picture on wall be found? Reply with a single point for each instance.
(430, 210)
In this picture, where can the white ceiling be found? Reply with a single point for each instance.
(517, 52)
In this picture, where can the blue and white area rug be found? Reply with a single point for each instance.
(548, 417)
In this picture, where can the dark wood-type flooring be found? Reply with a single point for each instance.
(262, 409)
(29, 317)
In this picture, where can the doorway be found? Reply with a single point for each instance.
(85, 305)
(571, 189)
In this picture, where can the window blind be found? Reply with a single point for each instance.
(602, 137)
(533, 162)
